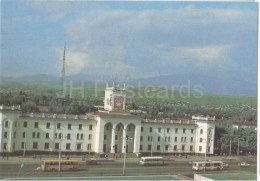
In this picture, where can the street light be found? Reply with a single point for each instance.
(206, 148)
(61, 139)
(125, 154)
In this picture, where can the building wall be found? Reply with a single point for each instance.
(107, 134)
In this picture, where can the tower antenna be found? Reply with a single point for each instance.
(63, 67)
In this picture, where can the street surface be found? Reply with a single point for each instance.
(11, 169)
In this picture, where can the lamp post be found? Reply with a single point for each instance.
(61, 139)
(125, 155)
(206, 145)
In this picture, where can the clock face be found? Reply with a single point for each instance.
(119, 102)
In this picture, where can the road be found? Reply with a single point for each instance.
(111, 168)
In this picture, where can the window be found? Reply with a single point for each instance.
(80, 126)
(159, 138)
(56, 135)
(14, 134)
(89, 147)
(90, 136)
(176, 130)
(201, 131)
(159, 130)
(175, 139)
(166, 147)
(169, 139)
(185, 139)
(23, 134)
(116, 138)
(148, 138)
(5, 135)
(183, 147)
(35, 145)
(191, 139)
(175, 148)
(151, 129)
(79, 146)
(107, 127)
(15, 124)
(82, 136)
(48, 125)
(165, 139)
(142, 129)
(141, 138)
(184, 130)
(200, 139)
(209, 149)
(90, 127)
(67, 146)
(68, 136)
(33, 134)
(200, 148)
(57, 146)
(192, 130)
(58, 126)
(46, 146)
(191, 148)
(6, 124)
(36, 125)
(168, 130)
(25, 124)
(149, 147)
(105, 137)
(77, 136)
(5, 146)
(60, 136)
(13, 146)
(118, 128)
(38, 135)
(47, 135)
(23, 145)
(69, 126)
(181, 139)
(141, 147)
(158, 148)
(129, 128)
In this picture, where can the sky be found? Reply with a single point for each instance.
(135, 39)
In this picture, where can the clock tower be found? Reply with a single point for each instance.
(114, 98)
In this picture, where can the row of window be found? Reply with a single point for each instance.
(167, 130)
(58, 126)
(56, 135)
(167, 148)
(167, 138)
(56, 146)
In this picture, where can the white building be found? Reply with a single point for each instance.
(104, 132)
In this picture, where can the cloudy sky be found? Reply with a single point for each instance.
(136, 39)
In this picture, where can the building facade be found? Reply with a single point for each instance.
(103, 132)
(112, 130)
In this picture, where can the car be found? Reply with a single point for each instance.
(91, 161)
(243, 164)
(225, 166)
(190, 162)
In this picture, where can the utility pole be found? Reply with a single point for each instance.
(238, 147)
(230, 147)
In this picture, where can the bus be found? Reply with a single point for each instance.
(53, 165)
(210, 165)
(151, 161)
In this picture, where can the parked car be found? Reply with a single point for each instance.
(225, 166)
(243, 164)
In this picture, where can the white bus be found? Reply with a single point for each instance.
(151, 161)
(210, 165)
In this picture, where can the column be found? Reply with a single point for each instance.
(124, 139)
(113, 139)
(137, 138)
(99, 136)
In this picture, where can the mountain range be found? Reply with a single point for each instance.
(207, 84)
